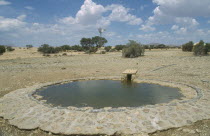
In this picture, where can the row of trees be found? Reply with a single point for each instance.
(200, 48)
(158, 46)
(87, 44)
(4, 48)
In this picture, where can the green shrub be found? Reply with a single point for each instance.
(46, 49)
(200, 49)
(2, 49)
(112, 50)
(208, 46)
(65, 47)
(103, 52)
(9, 48)
(108, 48)
(188, 46)
(64, 54)
(93, 49)
(77, 48)
(119, 47)
(161, 46)
(132, 50)
(29, 46)
(146, 46)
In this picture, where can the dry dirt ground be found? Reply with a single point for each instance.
(26, 67)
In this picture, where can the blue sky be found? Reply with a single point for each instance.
(59, 22)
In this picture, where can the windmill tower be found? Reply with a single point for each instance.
(101, 30)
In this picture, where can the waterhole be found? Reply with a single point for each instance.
(107, 93)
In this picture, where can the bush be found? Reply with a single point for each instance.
(108, 48)
(188, 46)
(46, 49)
(46, 55)
(2, 49)
(132, 50)
(77, 48)
(161, 46)
(64, 54)
(208, 46)
(146, 46)
(112, 50)
(103, 52)
(9, 48)
(65, 47)
(119, 47)
(29, 46)
(91, 50)
(200, 49)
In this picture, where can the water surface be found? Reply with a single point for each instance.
(108, 93)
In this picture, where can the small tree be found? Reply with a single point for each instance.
(200, 49)
(2, 49)
(133, 49)
(187, 46)
(29, 46)
(108, 48)
(99, 41)
(86, 43)
(9, 48)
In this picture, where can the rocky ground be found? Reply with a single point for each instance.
(23, 68)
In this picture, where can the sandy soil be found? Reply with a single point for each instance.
(25, 67)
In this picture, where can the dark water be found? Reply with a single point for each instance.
(107, 93)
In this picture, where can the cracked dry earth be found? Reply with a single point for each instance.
(166, 65)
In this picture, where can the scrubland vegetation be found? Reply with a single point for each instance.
(3, 49)
(132, 50)
(198, 49)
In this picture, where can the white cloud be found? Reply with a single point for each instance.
(161, 17)
(67, 20)
(184, 8)
(121, 14)
(209, 21)
(174, 27)
(110, 34)
(180, 36)
(3, 2)
(159, 37)
(29, 8)
(91, 13)
(103, 22)
(147, 28)
(186, 21)
(182, 30)
(181, 13)
(7, 24)
(21, 17)
(88, 14)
